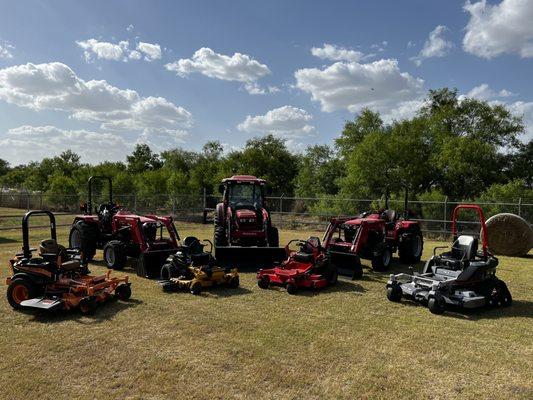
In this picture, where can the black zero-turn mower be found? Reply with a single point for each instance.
(57, 277)
(462, 277)
(193, 269)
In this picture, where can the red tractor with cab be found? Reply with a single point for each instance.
(121, 234)
(374, 235)
(243, 226)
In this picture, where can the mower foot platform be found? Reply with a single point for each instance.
(42, 303)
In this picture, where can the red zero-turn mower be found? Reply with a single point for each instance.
(57, 278)
(309, 267)
(244, 235)
(374, 236)
(121, 234)
(462, 277)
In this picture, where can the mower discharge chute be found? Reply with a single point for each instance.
(244, 234)
(121, 234)
(308, 267)
(194, 269)
(462, 277)
(57, 277)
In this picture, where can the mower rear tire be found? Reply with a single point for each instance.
(123, 292)
(381, 261)
(435, 306)
(410, 250)
(20, 289)
(196, 288)
(394, 293)
(500, 295)
(115, 254)
(273, 237)
(234, 282)
(263, 282)
(88, 305)
(292, 288)
(168, 271)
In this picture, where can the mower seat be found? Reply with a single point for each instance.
(70, 265)
(303, 257)
(464, 248)
(49, 250)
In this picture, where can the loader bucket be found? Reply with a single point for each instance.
(149, 263)
(250, 258)
(346, 262)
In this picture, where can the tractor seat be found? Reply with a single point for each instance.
(389, 215)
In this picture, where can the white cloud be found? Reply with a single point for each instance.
(104, 50)
(484, 92)
(500, 28)
(524, 109)
(6, 49)
(130, 27)
(286, 121)
(35, 142)
(54, 86)
(152, 51)
(379, 85)
(135, 55)
(256, 89)
(336, 53)
(239, 67)
(162, 139)
(435, 46)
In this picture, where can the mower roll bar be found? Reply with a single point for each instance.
(89, 209)
(481, 220)
(25, 229)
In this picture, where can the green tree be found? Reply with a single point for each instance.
(62, 192)
(355, 131)
(319, 172)
(143, 159)
(4, 167)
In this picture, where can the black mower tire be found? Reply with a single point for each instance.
(234, 282)
(115, 255)
(292, 288)
(123, 292)
(273, 237)
(381, 262)
(435, 306)
(17, 287)
(168, 271)
(196, 288)
(501, 296)
(88, 305)
(410, 251)
(394, 293)
(263, 282)
(87, 237)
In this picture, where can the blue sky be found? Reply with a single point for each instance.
(100, 76)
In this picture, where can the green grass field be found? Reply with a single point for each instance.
(346, 342)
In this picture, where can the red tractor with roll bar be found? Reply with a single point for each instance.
(244, 234)
(121, 234)
(373, 235)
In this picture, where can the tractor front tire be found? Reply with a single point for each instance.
(273, 237)
(115, 254)
(123, 292)
(20, 289)
(357, 270)
(410, 251)
(381, 261)
(332, 274)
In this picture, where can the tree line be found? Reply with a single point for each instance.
(462, 148)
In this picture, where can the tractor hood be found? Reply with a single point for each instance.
(246, 214)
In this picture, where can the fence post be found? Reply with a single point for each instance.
(281, 209)
(205, 199)
(445, 214)
(41, 201)
(1, 195)
(173, 206)
(520, 207)
(135, 202)
(28, 200)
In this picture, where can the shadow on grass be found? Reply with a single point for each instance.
(4, 240)
(214, 292)
(104, 312)
(519, 308)
(341, 286)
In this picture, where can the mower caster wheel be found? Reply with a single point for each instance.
(394, 293)
(357, 274)
(291, 288)
(263, 283)
(435, 306)
(123, 292)
(88, 305)
(234, 282)
(196, 288)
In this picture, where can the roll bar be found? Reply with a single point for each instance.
(89, 209)
(25, 229)
(481, 220)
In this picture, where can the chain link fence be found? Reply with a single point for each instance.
(287, 212)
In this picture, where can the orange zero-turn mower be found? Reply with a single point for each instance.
(56, 278)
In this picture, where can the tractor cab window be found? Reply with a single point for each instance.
(245, 195)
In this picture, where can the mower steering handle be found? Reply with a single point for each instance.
(210, 244)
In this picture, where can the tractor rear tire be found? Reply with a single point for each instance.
(168, 271)
(84, 236)
(115, 254)
(273, 237)
(123, 292)
(410, 251)
(20, 289)
(381, 262)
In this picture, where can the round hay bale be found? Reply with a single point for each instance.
(509, 235)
